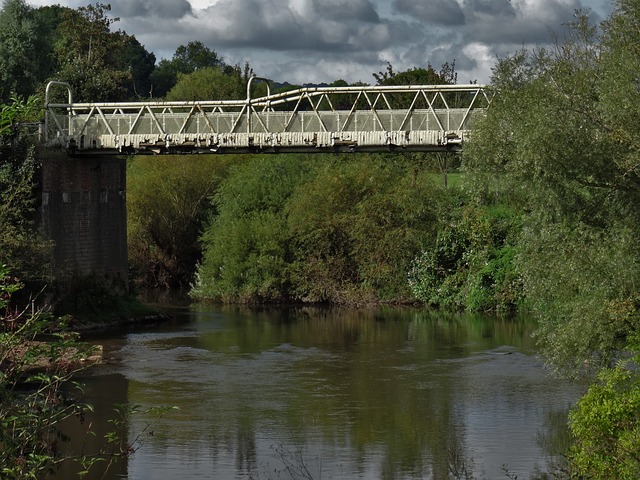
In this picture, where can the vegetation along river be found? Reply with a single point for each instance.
(331, 393)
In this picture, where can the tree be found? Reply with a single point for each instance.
(186, 59)
(418, 76)
(23, 50)
(209, 83)
(291, 228)
(549, 145)
(49, 19)
(193, 56)
(167, 207)
(141, 65)
(560, 144)
(32, 403)
(92, 58)
(423, 76)
(606, 427)
(40, 396)
(162, 78)
(619, 88)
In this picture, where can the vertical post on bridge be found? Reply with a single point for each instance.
(251, 79)
(46, 108)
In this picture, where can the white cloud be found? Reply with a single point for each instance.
(304, 41)
(485, 60)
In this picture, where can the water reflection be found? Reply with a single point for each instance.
(385, 393)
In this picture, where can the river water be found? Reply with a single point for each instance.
(328, 393)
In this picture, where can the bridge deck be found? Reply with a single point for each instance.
(418, 118)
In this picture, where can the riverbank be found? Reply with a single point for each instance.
(107, 313)
(94, 326)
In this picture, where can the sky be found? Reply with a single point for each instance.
(315, 41)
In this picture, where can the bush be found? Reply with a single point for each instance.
(357, 224)
(582, 283)
(247, 246)
(605, 426)
(168, 201)
(22, 248)
(317, 229)
(32, 377)
(472, 263)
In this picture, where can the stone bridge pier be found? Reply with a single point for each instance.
(83, 210)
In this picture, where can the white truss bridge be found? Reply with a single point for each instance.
(314, 119)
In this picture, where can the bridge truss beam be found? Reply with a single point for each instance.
(318, 119)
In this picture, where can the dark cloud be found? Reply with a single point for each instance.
(348, 10)
(173, 9)
(305, 41)
(437, 12)
(528, 23)
(501, 8)
(322, 25)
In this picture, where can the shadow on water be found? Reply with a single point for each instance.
(393, 393)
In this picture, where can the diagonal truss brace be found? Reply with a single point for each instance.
(313, 112)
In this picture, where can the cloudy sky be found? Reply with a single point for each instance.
(313, 41)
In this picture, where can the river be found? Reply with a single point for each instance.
(387, 393)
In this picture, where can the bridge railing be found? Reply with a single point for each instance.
(422, 117)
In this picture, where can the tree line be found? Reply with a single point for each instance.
(101, 63)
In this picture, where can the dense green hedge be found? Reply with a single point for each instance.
(353, 229)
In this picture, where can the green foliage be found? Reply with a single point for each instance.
(471, 265)
(49, 19)
(76, 46)
(167, 205)
(91, 56)
(321, 230)
(194, 56)
(186, 59)
(142, 65)
(606, 427)
(21, 49)
(418, 76)
(163, 78)
(422, 76)
(618, 89)
(209, 83)
(357, 224)
(582, 282)
(247, 246)
(13, 112)
(38, 394)
(29, 417)
(558, 143)
(21, 246)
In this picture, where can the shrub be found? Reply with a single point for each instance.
(472, 263)
(317, 229)
(22, 248)
(247, 246)
(168, 201)
(357, 224)
(605, 425)
(32, 377)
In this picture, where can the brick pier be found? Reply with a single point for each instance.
(83, 210)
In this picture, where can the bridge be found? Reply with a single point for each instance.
(312, 119)
(83, 206)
